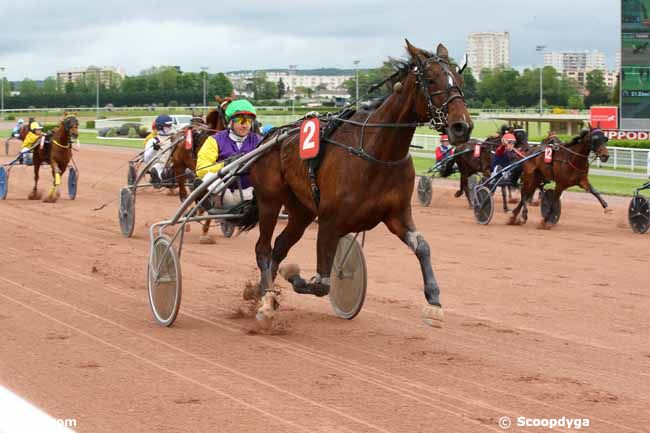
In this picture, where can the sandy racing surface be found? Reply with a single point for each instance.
(539, 324)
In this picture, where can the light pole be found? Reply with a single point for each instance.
(2, 93)
(293, 92)
(205, 85)
(540, 48)
(97, 70)
(356, 73)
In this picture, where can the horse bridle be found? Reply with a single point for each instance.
(438, 115)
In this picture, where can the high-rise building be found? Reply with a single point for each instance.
(105, 74)
(488, 50)
(572, 61)
(576, 65)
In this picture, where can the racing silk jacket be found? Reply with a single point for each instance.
(30, 139)
(443, 151)
(219, 147)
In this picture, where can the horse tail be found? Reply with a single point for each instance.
(250, 215)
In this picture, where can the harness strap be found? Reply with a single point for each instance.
(364, 155)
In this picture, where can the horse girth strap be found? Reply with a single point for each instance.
(359, 152)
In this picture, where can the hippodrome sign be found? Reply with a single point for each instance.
(604, 117)
(615, 134)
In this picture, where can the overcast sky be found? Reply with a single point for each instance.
(42, 37)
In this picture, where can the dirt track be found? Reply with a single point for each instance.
(541, 324)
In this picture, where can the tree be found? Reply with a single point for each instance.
(470, 87)
(220, 85)
(596, 88)
(576, 102)
(616, 92)
(49, 86)
(28, 87)
(282, 89)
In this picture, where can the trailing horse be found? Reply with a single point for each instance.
(56, 151)
(366, 177)
(569, 167)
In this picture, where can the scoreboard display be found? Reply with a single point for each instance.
(635, 64)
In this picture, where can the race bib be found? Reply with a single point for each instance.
(188, 139)
(548, 154)
(309, 138)
(477, 150)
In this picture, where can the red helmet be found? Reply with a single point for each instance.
(508, 137)
(444, 137)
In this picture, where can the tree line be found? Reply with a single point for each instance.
(507, 88)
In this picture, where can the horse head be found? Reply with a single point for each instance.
(597, 141)
(70, 125)
(441, 101)
(521, 136)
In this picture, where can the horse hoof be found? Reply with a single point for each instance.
(513, 201)
(513, 221)
(207, 240)
(432, 315)
(543, 226)
(289, 271)
(35, 195)
(49, 199)
(251, 292)
(266, 312)
(458, 194)
(534, 203)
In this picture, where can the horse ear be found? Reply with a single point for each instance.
(413, 51)
(441, 51)
(65, 114)
(218, 99)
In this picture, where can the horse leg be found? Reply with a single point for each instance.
(268, 217)
(526, 192)
(504, 195)
(584, 184)
(35, 194)
(403, 227)
(299, 219)
(463, 186)
(554, 194)
(56, 181)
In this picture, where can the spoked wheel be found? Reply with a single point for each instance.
(348, 278)
(227, 228)
(638, 214)
(132, 175)
(164, 281)
(483, 205)
(425, 191)
(126, 211)
(4, 183)
(472, 181)
(72, 183)
(551, 209)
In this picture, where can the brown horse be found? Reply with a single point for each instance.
(184, 157)
(569, 167)
(469, 165)
(57, 152)
(366, 177)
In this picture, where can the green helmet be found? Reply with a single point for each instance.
(240, 107)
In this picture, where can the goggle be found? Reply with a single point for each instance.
(243, 120)
(511, 141)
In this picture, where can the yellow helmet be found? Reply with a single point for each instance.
(34, 126)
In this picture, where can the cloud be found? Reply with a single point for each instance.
(260, 34)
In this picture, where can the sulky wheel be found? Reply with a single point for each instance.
(132, 175)
(126, 211)
(348, 278)
(4, 183)
(425, 190)
(164, 281)
(483, 205)
(638, 214)
(472, 181)
(227, 228)
(551, 209)
(72, 183)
